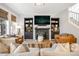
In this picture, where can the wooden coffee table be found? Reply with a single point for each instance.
(41, 44)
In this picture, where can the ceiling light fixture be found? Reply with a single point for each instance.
(39, 4)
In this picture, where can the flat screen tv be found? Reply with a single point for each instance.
(42, 20)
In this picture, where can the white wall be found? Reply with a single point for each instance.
(65, 26)
(20, 21)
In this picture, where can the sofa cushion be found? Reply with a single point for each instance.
(8, 40)
(74, 47)
(59, 48)
(54, 46)
(64, 47)
(56, 50)
(4, 48)
(21, 48)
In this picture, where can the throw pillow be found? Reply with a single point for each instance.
(21, 48)
(54, 46)
(74, 47)
(66, 46)
(13, 46)
(62, 47)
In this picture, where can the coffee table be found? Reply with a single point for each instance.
(41, 44)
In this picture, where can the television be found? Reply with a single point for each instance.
(42, 20)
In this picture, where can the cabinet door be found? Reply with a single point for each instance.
(28, 28)
(28, 35)
(54, 27)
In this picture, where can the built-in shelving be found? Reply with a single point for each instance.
(54, 27)
(28, 28)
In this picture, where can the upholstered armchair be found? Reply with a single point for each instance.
(65, 38)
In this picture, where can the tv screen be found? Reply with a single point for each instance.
(42, 20)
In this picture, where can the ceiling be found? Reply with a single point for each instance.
(25, 9)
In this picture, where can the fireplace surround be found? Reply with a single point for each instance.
(43, 33)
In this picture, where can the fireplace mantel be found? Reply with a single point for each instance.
(47, 26)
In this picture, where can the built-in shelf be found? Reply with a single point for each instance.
(28, 28)
(54, 27)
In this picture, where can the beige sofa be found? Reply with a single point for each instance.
(32, 52)
(8, 47)
(60, 51)
(13, 49)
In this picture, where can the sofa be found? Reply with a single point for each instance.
(32, 52)
(57, 49)
(10, 48)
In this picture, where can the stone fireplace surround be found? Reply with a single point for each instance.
(43, 31)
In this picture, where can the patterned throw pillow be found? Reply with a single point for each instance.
(21, 48)
(64, 47)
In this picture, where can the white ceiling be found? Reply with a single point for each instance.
(32, 9)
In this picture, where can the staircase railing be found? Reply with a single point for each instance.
(74, 18)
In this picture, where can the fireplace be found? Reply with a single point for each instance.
(43, 33)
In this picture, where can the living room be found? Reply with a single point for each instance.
(31, 29)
